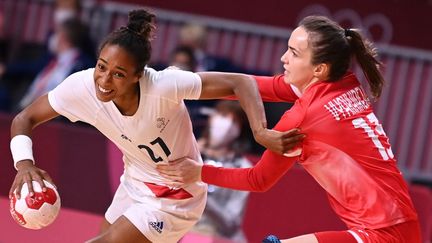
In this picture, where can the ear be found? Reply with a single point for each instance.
(321, 71)
(138, 75)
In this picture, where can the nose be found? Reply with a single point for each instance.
(105, 78)
(284, 58)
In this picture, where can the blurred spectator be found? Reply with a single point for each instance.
(195, 36)
(68, 57)
(18, 69)
(183, 58)
(224, 143)
(66, 9)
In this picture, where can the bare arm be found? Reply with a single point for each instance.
(35, 114)
(218, 85)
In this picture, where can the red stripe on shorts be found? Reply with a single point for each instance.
(166, 192)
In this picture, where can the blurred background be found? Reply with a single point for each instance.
(43, 41)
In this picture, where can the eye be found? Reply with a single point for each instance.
(119, 75)
(293, 52)
(100, 66)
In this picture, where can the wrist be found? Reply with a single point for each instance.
(21, 149)
(259, 130)
(260, 134)
(200, 172)
(23, 164)
(203, 173)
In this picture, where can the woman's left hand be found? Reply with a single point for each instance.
(279, 142)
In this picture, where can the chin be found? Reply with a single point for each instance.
(103, 98)
(287, 80)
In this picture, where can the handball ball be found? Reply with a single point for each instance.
(38, 211)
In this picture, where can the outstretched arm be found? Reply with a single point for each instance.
(244, 87)
(259, 178)
(22, 125)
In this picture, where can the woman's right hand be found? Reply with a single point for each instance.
(27, 172)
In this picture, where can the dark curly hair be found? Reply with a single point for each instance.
(135, 37)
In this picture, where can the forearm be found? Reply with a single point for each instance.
(37, 113)
(21, 129)
(260, 178)
(21, 126)
(219, 85)
(249, 97)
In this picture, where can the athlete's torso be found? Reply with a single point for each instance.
(349, 155)
(159, 131)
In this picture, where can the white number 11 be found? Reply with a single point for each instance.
(374, 134)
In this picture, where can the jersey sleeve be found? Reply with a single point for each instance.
(73, 98)
(179, 85)
(270, 168)
(274, 89)
(259, 178)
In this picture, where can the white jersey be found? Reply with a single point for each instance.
(159, 131)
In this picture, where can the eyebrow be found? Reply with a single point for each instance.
(293, 49)
(119, 67)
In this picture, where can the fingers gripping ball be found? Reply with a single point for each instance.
(38, 211)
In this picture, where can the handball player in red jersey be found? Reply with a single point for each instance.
(345, 149)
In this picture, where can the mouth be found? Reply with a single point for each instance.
(285, 69)
(104, 91)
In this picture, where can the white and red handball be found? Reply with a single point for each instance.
(38, 211)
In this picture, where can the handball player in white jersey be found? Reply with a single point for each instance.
(143, 113)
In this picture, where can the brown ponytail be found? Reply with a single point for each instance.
(335, 46)
(366, 55)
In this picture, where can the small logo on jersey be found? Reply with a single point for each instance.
(125, 138)
(161, 122)
(158, 226)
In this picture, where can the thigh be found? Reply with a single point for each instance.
(122, 230)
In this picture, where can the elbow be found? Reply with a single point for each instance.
(262, 187)
(245, 80)
(20, 121)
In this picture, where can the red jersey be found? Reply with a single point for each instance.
(345, 150)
